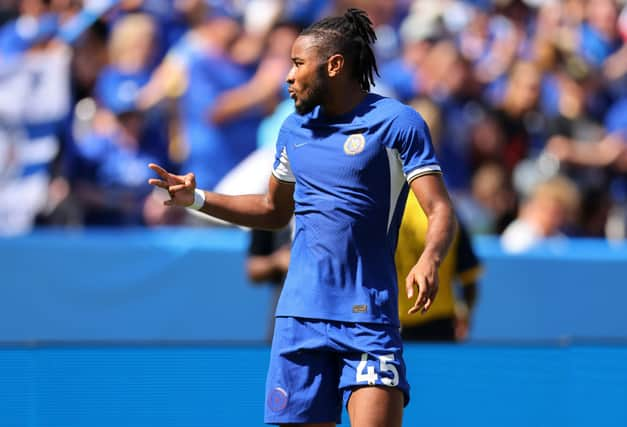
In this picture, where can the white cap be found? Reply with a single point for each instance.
(415, 28)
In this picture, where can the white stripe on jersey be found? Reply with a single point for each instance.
(283, 171)
(423, 171)
(397, 179)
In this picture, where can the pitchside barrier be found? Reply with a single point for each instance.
(223, 386)
(190, 285)
(161, 328)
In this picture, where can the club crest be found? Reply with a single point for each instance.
(354, 144)
(277, 399)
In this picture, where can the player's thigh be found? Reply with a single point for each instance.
(302, 387)
(374, 359)
(376, 407)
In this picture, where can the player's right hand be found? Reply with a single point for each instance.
(180, 187)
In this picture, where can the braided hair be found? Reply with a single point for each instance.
(352, 36)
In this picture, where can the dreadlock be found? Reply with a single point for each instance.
(352, 36)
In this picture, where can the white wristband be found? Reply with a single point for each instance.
(199, 200)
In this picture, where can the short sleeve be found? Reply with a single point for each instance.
(412, 141)
(281, 168)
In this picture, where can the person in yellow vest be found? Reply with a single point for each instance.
(448, 319)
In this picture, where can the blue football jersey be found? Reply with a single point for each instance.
(351, 174)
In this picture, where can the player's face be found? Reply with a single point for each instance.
(307, 78)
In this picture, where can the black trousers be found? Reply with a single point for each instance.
(437, 330)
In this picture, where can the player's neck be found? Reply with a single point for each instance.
(343, 99)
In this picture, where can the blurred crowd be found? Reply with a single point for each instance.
(526, 101)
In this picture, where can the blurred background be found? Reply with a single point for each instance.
(116, 310)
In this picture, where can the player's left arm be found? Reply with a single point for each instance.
(436, 203)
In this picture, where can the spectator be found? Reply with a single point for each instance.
(519, 116)
(108, 171)
(493, 203)
(548, 213)
(34, 103)
(449, 81)
(599, 32)
(89, 60)
(608, 154)
(504, 38)
(195, 73)
(267, 86)
(402, 75)
(110, 177)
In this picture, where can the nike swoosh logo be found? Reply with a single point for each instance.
(300, 145)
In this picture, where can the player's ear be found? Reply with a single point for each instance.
(335, 64)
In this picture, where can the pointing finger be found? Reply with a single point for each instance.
(159, 170)
(158, 183)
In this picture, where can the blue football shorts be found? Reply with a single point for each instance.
(316, 364)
